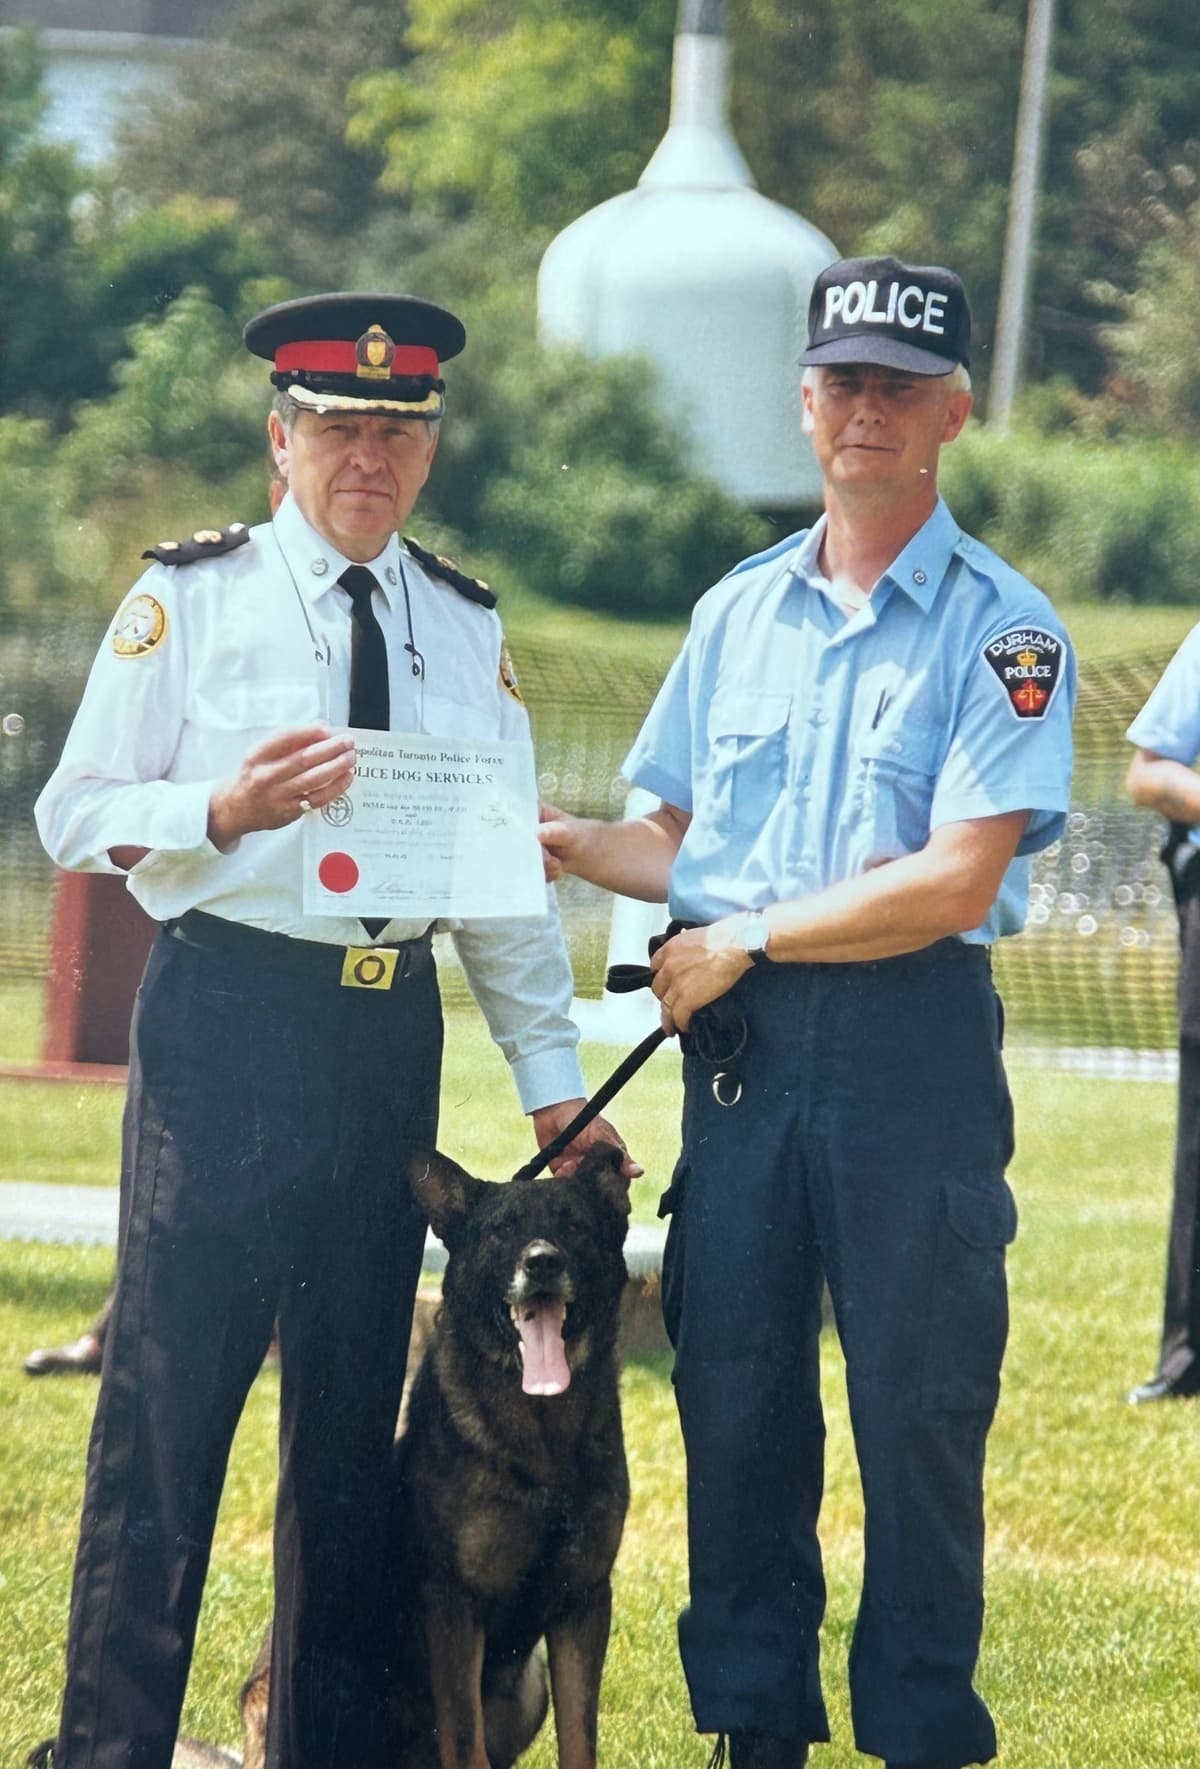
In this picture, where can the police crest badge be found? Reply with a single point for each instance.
(374, 354)
(1027, 662)
(140, 627)
(508, 675)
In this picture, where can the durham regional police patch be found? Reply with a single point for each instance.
(1027, 662)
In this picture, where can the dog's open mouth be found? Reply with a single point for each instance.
(540, 1321)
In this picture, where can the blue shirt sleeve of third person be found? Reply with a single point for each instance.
(661, 757)
(1169, 723)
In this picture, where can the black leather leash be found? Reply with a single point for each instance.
(595, 1105)
(721, 1037)
(621, 979)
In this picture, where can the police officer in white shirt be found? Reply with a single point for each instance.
(280, 1060)
(865, 736)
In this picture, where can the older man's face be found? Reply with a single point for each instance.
(877, 432)
(355, 476)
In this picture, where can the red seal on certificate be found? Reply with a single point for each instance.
(338, 872)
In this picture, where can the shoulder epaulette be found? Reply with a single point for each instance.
(206, 543)
(473, 588)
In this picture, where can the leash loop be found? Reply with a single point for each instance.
(717, 1033)
(723, 1075)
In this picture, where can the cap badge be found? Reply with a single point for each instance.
(373, 355)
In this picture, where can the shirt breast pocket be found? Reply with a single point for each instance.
(896, 775)
(747, 755)
(271, 704)
(443, 717)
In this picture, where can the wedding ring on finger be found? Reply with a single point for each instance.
(305, 804)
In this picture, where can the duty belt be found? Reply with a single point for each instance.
(354, 967)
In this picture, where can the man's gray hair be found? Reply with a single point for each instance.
(285, 409)
(957, 381)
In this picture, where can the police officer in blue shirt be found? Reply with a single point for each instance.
(863, 740)
(1162, 777)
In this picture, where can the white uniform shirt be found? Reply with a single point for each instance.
(257, 640)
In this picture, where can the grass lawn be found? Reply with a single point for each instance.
(1089, 1657)
(70, 1132)
(1108, 630)
(1113, 630)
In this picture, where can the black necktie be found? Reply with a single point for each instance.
(369, 699)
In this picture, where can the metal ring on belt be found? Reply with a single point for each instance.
(257, 946)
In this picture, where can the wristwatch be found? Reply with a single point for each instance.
(754, 934)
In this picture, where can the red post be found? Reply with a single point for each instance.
(99, 938)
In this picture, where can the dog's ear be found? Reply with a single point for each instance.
(443, 1189)
(601, 1169)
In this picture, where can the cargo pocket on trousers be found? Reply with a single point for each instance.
(968, 1306)
(671, 1204)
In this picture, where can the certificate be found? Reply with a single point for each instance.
(429, 827)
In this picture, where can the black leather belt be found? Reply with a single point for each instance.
(354, 967)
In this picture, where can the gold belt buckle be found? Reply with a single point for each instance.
(369, 967)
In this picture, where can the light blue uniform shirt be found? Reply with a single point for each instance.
(1169, 723)
(809, 747)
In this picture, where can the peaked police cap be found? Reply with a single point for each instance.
(358, 352)
(912, 317)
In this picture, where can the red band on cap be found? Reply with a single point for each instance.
(336, 356)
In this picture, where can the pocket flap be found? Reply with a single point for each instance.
(737, 713)
(469, 723)
(982, 1218)
(907, 745)
(248, 705)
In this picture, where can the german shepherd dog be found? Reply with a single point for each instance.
(511, 1479)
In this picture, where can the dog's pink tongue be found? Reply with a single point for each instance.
(543, 1360)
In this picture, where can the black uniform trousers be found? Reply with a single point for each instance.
(1179, 1355)
(868, 1148)
(263, 1175)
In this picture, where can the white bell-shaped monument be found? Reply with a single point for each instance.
(707, 278)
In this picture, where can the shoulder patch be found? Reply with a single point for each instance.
(473, 588)
(140, 627)
(1027, 662)
(508, 675)
(206, 543)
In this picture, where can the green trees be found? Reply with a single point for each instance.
(438, 144)
(39, 256)
(524, 108)
(259, 124)
(888, 125)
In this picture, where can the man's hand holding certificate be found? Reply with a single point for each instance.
(430, 826)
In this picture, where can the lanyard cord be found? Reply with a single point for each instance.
(418, 662)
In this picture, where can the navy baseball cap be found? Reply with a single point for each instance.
(358, 352)
(913, 317)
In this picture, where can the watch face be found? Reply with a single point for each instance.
(754, 934)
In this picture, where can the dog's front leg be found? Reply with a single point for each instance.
(456, 1673)
(576, 1646)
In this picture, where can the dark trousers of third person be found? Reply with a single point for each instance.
(1179, 1354)
(265, 1126)
(868, 1147)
